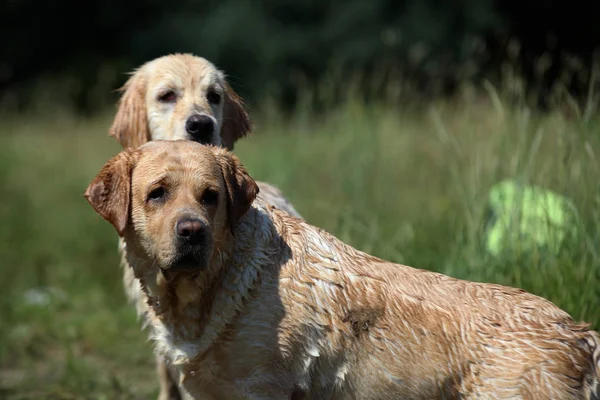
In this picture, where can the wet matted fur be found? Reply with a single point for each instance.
(262, 305)
(159, 101)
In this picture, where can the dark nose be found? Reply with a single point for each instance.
(191, 230)
(200, 127)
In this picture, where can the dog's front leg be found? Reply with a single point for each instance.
(169, 389)
(245, 391)
(269, 389)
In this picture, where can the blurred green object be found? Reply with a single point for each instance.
(526, 217)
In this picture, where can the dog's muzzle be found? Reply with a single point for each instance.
(200, 128)
(193, 243)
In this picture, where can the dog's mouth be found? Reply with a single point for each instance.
(187, 264)
(204, 141)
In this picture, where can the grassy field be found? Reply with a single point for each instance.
(406, 185)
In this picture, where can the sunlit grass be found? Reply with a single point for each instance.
(405, 185)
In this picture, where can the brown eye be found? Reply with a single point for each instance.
(213, 97)
(210, 197)
(167, 97)
(157, 194)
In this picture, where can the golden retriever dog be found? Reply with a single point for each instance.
(249, 302)
(181, 97)
(184, 97)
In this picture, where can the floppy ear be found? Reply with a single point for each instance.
(236, 121)
(241, 188)
(130, 126)
(110, 191)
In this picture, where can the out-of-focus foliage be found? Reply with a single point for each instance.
(79, 50)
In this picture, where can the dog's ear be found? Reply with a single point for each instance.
(110, 191)
(236, 121)
(130, 126)
(241, 188)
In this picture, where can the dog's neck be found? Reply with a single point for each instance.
(195, 310)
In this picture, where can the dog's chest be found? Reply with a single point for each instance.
(177, 339)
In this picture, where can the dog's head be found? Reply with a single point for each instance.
(179, 97)
(176, 203)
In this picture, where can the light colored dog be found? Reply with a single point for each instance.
(181, 97)
(249, 302)
(184, 97)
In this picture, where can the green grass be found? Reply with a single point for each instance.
(403, 184)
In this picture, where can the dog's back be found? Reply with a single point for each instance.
(372, 329)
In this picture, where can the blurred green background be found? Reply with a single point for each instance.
(385, 122)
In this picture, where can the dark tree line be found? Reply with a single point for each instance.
(269, 47)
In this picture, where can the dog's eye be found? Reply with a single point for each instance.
(213, 97)
(157, 194)
(167, 97)
(210, 197)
